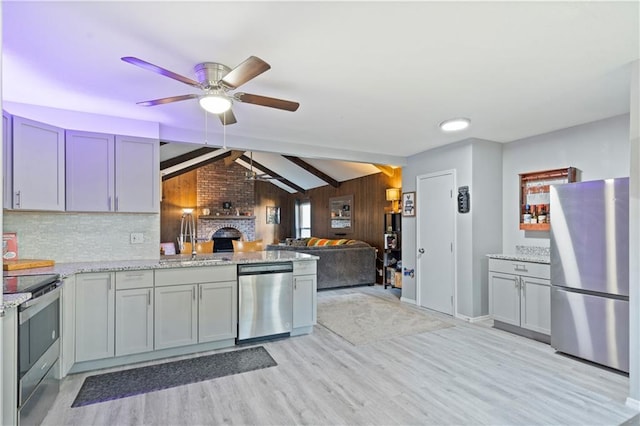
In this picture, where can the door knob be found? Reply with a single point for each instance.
(421, 250)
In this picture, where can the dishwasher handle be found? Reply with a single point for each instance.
(265, 268)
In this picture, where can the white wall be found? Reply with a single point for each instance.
(465, 157)
(487, 218)
(634, 241)
(599, 150)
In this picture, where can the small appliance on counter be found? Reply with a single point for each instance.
(38, 331)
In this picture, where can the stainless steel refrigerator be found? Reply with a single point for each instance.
(590, 271)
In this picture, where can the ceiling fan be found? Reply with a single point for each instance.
(216, 82)
(252, 175)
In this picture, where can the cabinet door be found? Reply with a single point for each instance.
(68, 325)
(134, 321)
(176, 313)
(304, 300)
(536, 304)
(38, 166)
(218, 312)
(137, 174)
(7, 161)
(504, 298)
(90, 171)
(95, 299)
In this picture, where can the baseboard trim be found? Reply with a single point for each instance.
(407, 300)
(633, 403)
(473, 319)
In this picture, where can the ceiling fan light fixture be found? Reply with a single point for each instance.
(215, 103)
(454, 124)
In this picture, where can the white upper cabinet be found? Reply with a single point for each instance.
(137, 174)
(7, 166)
(38, 166)
(112, 173)
(90, 171)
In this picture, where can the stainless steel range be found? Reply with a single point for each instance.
(38, 344)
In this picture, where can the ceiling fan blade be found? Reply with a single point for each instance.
(167, 100)
(266, 101)
(148, 66)
(227, 117)
(250, 68)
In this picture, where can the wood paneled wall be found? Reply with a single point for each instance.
(369, 207)
(177, 193)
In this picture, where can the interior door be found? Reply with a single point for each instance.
(435, 215)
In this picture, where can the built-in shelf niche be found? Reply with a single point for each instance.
(534, 191)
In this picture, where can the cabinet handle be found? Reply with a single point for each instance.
(149, 298)
(518, 267)
(116, 207)
(109, 202)
(200, 292)
(109, 284)
(193, 292)
(516, 280)
(17, 199)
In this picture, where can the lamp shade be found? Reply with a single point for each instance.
(393, 194)
(215, 103)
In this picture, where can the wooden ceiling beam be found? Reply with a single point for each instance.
(185, 157)
(308, 167)
(273, 174)
(387, 170)
(196, 165)
(233, 157)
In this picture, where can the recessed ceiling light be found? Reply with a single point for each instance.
(455, 124)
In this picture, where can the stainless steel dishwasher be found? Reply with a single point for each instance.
(265, 306)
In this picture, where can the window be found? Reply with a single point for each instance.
(303, 218)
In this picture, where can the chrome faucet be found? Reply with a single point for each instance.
(187, 229)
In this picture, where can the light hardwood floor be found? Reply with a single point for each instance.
(470, 374)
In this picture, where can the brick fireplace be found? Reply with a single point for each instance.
(207, 226)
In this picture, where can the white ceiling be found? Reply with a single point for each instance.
(373, 79)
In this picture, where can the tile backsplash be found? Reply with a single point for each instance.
(79, 237)
(533, 251)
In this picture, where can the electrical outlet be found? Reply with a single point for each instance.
(137, 238)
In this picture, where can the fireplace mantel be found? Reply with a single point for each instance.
(207, 225)
(226, 217)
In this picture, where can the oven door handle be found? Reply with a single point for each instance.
(31, 307)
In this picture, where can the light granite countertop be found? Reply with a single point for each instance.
(176, 261)
(521, 258)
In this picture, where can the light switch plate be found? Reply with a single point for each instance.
(137, 238)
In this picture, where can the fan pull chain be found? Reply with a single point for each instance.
(206, 127)
(224, 130)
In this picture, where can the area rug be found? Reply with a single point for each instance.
(361, 318)
(121, 384)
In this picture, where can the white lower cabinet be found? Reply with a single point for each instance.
(217, 311)
(176, 316)
(195, 305)
(305, 290)
(134, 321)
(134, 312)
(68, 325)
(520, 294)
(95, 300)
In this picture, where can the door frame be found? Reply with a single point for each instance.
(451, 172)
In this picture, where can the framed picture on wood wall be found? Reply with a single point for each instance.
(273, 215)
(408, 204)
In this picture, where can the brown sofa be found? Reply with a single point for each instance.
(341, 263)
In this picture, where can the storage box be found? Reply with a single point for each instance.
(10, 246)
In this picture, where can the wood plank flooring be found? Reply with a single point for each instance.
(470, 374)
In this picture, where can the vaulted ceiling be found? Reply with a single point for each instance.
(373, 79)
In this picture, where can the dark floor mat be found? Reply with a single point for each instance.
(121, 384)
